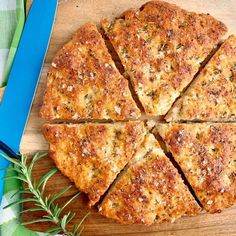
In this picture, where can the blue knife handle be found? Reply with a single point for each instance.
(23, 78)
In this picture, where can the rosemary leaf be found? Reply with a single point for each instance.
(70, 218)
(68, 202)
(15, 168)
(75, 229)
(20, 192)
(16, 177)
(80, 232)
(53, 230)
(63, 222)
(79, 225)
(34, 221)
(20, 201)
(30, 210)
(45, 178)
(12, 160)
(37, 157)
(43, 203)
(57, 195)
(56, 210)
(24, 160)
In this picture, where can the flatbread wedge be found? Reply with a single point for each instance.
(149, 189)
(211, 96)
(84, 83)
(161, 47)
(92, 155)
(206, 153)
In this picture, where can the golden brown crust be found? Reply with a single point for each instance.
(84, 83)
(206, 154)
(161, 47)
(211, 96)
(149, 188)
(92, 155)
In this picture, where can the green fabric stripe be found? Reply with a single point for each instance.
(11, 184)
(15, 209)
(22, 231)
(21, 20)
(19, 4)
(7, 28)
(10, 59)
(20, 13)
(10, 187)
(9, 228)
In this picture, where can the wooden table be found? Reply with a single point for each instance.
(72, 14)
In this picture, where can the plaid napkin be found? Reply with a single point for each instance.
(10, 222)
(12, 18)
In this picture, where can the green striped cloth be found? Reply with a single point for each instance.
(12, 18)
(10, 220)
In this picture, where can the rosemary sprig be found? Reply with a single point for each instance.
(53, 212)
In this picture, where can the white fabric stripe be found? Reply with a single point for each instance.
(7, 214)
(6, 5)
(3, 59)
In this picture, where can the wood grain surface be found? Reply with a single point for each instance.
(72, 14)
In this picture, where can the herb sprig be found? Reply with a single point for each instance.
(53, 212)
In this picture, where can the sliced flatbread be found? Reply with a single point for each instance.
(150, 188)
(161, 47)
(92, 155)
(84, 83)
(206, 154)
(212, 95)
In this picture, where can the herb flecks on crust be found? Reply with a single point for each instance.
(149, 189)
(161, 47)
(206, 153)
(212, 95)
(84, 83)
(92, 155)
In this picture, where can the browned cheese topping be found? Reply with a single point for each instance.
(92, 155)
(212, 95)
(149, 188)
(161, 47)
(206, 154)
(83, 82)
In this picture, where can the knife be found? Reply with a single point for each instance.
(23, 79)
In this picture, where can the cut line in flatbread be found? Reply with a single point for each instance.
(92, 155)
(149, 189)
(211, 96)
(206, 153)
(161, 48)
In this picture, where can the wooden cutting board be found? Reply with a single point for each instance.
(71, 15)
